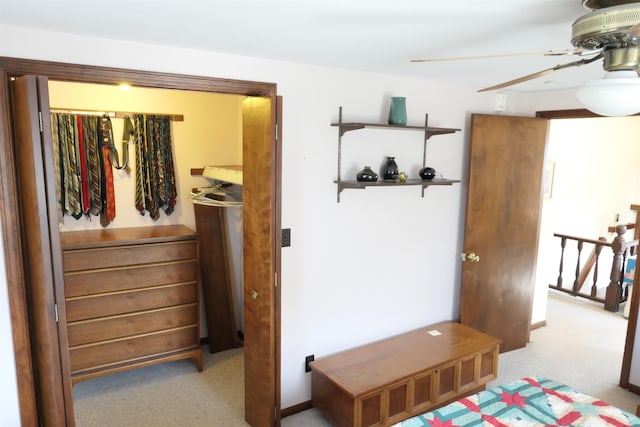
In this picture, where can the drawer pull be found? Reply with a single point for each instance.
(254, 294)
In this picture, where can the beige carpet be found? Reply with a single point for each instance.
(581, 346)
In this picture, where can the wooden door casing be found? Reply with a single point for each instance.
(11, 214)
(502, 225)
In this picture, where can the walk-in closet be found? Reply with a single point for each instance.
(149, 203)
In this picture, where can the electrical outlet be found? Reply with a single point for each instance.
(286, 237)
(310, 358)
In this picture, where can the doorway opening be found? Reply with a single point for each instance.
(206, 130)
(43, 398)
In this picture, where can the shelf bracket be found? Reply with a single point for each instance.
(346, 128)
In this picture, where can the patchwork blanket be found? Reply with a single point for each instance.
(529, 402)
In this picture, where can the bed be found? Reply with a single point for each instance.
(529, 402)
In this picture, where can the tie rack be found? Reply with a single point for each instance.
(114, 114)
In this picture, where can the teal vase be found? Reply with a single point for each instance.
(398, 111)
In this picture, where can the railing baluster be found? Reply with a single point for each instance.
(576, 283)
(594, 287)
(563, 244)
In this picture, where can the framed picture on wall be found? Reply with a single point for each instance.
(547, 178)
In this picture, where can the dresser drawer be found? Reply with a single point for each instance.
(107, 328)
(129, 349)
(131, 301)
(128, 278)
(87, 259)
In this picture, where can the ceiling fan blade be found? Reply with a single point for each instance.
(506, 55)
(542, 73)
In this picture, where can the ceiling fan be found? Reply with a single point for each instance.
(611, 32)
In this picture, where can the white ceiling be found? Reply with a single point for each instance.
(371, 35)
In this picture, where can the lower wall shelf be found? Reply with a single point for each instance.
(361, 185)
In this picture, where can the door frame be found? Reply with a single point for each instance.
(9, 195)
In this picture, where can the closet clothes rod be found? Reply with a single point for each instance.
(116, 114)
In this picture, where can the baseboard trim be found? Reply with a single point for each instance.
(538, 325)
(300, 407)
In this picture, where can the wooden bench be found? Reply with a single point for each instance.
(387, 381)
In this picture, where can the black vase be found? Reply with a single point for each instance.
(367, 175)
(427, 173)
(390, 171)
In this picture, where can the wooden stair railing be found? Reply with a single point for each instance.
(621, 248)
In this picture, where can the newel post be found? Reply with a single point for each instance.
(614, 290)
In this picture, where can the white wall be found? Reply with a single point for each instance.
(380, 262)
(8, 391)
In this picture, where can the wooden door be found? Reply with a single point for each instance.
(504, 200)
(43, 260)
(260, 246)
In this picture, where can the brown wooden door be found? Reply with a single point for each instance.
(261, 252)
(502, 225)
(36, 187)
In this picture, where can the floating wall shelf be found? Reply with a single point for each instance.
(344, 127)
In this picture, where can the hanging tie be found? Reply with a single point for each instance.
(82, 156)
(90, 127)
(106, 139)
(140, 138)
(75, 207)
(56, 166)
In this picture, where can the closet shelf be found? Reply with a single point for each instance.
(232, 174)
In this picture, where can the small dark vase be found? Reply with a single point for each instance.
(390, 172)
(427, 173)
(367, 175)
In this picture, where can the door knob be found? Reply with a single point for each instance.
(254, 294)
(471, 257)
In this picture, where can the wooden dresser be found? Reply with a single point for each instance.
(131, 298)
(387, 381)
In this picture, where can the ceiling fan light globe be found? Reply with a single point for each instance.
(617, 94)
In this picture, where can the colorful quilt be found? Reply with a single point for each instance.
(529, 402)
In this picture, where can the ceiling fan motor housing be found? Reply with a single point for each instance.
(608, 29)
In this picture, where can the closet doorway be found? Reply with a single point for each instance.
(40, 382)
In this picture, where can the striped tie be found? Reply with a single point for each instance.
(56, 165)
(74, 168)
(106, 140)
(82, 156)
(94, 175)
(140, 138)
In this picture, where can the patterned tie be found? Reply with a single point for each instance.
(106, 139)
(56, 166)
(139, 135)
(82, 155)
(94, 175)
(74, 168)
